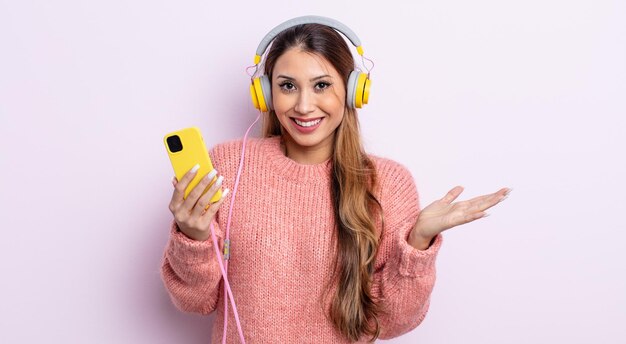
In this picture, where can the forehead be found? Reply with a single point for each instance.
(297, 62)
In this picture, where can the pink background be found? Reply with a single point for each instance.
(484, 94)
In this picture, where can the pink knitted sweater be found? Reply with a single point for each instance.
(282, 249)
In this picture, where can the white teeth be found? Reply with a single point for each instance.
(307, 124)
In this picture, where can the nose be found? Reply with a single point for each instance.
(305, 103)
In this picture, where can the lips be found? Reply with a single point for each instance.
(307, 125)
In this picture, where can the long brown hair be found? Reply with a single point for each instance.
(353, 310)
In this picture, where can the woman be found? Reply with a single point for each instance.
(328, 244)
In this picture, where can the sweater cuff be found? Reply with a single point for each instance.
(414, 262)
(186, 249)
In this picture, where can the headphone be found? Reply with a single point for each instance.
(358, 85)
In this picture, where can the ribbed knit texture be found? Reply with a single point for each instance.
(283, 249)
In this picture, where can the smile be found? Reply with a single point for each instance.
(307, 123)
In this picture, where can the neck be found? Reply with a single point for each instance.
(307, 155)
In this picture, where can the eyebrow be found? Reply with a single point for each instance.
(316, 78)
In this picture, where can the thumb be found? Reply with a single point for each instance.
(174, 181)
(452, 194)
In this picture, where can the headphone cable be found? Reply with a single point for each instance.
(228, 294)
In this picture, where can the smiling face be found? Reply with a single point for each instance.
(309, 99)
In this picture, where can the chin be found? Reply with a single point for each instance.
(308, 141)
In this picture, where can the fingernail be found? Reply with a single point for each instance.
(173, 180)
(508, 191)
(211, 174)
(219, 180)
(486, 214)
(225, 193)
(195, 168)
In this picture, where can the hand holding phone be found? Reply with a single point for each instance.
(197, 196)
(186, 149)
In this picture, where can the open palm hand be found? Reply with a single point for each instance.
(442, 214)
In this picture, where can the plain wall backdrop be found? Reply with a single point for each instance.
(485, 94)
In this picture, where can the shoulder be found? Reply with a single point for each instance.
(390, 172)
(223, 148)
(232, 148)
(226, 155)
(395, 188)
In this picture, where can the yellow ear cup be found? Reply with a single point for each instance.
(258, 90)
(366, 92)
(360, 88)
(255, 101)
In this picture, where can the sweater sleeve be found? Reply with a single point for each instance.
(404, 276)
(190, 271)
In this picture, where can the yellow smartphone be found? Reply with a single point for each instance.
(185, 149)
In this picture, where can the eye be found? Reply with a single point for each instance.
(287, 86)
(322, 85)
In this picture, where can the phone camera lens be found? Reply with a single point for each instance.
(174, 143)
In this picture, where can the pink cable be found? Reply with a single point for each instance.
(369, 70)
(226, 284)
(256, 66)
(228, 294)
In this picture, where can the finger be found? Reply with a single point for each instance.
(506, 193)
(204, 201)
(476, 216)
(180, 187)
(485, 202)
(473, 209)
(452, 194)
(174, 181)
(214, 207)
(498, 195)
(466, 217)
(198, 190)
(503, 194)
